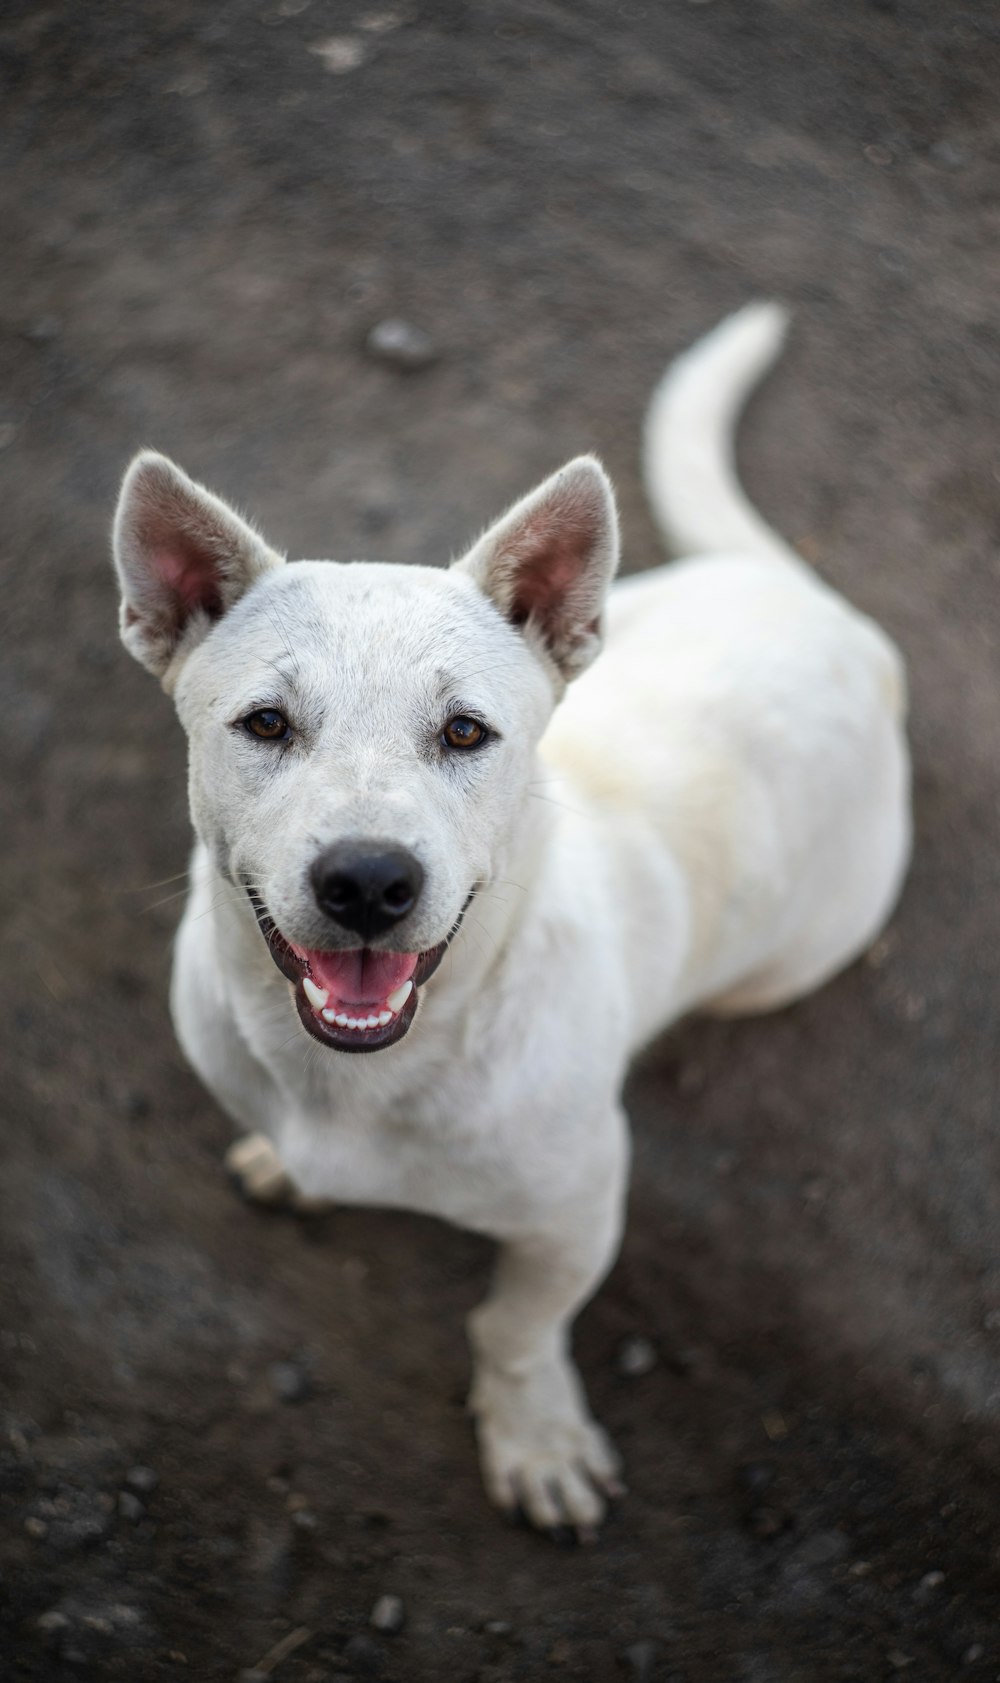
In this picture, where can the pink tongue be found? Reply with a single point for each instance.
(362, 977)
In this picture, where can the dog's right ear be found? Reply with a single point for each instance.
(183, 557)
(547, 563)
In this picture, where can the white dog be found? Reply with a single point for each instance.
(402, 852)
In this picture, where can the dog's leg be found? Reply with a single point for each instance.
(540, 1450)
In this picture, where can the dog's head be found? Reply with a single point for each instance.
(361, 736)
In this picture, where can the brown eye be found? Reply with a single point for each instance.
(268, 724)
(463, 732)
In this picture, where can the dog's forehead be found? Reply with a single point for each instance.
(367, 621)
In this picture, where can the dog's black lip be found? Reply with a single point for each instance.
(295, 970)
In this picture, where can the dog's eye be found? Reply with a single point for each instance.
(268, 724)
(463, 732)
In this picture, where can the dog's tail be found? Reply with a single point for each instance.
(690, 473)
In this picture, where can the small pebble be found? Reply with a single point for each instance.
(143, 1479)
(497, 1627)
(931, 1580)
(401, 345)
(382, 23)
(83, 1533)
(130, 1507)
(52, 1622)
(973, 1653)
(340, 53)
(388, 1613)
(288, 1381)
(636, 1356)
(36, 1528)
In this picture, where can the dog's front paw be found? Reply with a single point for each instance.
(540, 1451)
(261, 1176)
(258, 1170)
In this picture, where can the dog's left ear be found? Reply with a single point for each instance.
(183, 557)
(548, 562)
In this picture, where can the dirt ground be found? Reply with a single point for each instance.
(222, 1428)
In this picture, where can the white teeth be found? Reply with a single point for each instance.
(317, 997)
(397, 1000)
(342, 1020)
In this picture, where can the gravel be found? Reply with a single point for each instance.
(388, 1614)
(636, 1357)
(289, 1381)
(400, 345)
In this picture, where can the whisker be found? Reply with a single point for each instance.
(489, 935)
(298, 1030)
(550, 801)
(219, 900)
(167, 898)
(147, 887)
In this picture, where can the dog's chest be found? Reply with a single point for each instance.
(413, 1134)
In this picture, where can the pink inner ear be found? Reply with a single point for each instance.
(191, 581)
(550, 564)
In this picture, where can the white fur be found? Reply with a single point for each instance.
(715, 817)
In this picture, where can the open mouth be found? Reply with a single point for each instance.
(356, 1000)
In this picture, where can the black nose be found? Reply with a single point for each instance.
(366, 886)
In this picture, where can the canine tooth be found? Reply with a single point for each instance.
(317, 997)
(397, 1000)
(383, 1018)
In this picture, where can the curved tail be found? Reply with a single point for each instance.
(690, 472)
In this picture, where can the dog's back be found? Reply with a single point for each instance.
(744, 720)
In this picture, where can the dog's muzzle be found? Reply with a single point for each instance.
(360, 999)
